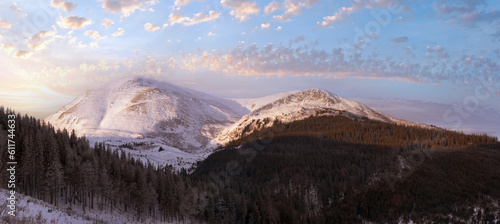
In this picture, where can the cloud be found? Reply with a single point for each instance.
(265, 26)
(73, 22)
(297, 39)
(466, 12)
(182, 2)
(270, 60)
(490, 16)
(40, 40)
(400, 20)
(278, 28)
(401, 39)
(272, 6)
(119, 32)
(151, 27)
(107, 22)
(16, 9)
(93, 34)
(174, 18)
(344, 12)
(305, 60)
(339, 15)
(197, 18)
(126, 7)
(28, 99)
(437, 50)
(200, 18)
(457, 6)
(409, 51)
(210, 34)
(292, 8)
(8, 48)
(242, 9)
(71, 79)
(23, 54)
(5, 24)
(63, 4)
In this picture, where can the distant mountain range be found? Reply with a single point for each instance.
(139, 109)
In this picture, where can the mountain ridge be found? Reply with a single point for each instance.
(143, 108)
(189, 123)
(300, 105)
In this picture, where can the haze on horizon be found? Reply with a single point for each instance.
(434, 62)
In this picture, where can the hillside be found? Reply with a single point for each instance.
(141, 108)
(299, 105)
(450, 186)
(333, 169)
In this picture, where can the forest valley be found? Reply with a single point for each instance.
(323, 169)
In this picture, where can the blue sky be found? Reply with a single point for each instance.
(429, 54)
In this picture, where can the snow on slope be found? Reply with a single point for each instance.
(147, 150)
(255, 103)
(297, 106)
(31, 210)
(137, 108)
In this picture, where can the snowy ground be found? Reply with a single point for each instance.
(148, 150)
(30, 210)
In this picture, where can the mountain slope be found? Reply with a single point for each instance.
(255, 103)
(145, 108)
(140, 115)
(297, 106)
(332, 169)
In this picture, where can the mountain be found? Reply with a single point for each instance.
(139, 108)
(255, 103)
(298, 105)
(142, 115)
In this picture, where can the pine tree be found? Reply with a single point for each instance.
(27, 168)
(53, 181)
(3, 154)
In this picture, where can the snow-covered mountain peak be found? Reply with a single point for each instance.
(138, 82)
(310, 96)
(299, 105)
(132, 82)
(139, 107)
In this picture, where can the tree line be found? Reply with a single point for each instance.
(344, 129)
(62, 169)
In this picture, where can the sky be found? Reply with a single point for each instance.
(435, 62)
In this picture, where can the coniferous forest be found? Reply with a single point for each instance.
(327, 169)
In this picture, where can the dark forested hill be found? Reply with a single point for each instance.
(339, 170)
(451, 186)
(344, 129)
